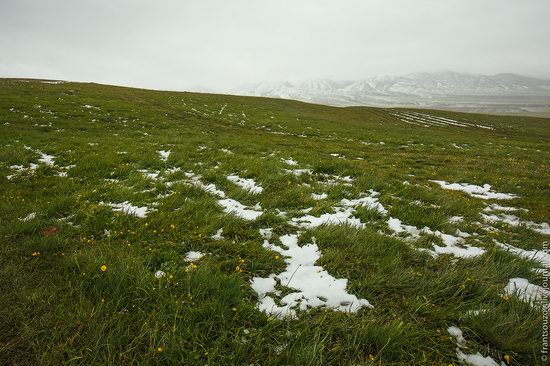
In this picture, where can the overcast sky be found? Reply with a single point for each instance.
(220, 44)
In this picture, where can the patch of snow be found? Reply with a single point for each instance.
(297, 172)
(313, 286)
(476, 359)
(290, 162)
(208, 188)
(29, 217)
(497, 207)
(46, 159)
(454, 245)
(164, 154)
(129, 209)
(231, 206)
(343, 214)
(484, 192)
(456, 219)
(537, 255)
(514, 221)
(150, 175)
(318, 197)
(193, 256)
(247, 184)
(218, 235)
(525, 290)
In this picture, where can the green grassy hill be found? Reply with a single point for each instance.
(340, 250)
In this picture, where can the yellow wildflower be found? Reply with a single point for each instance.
(35, 254)
(160, 349)
(103, 268)
(172, 226)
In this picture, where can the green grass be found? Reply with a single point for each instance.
(58, 307)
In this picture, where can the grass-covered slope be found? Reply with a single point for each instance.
(83, 283)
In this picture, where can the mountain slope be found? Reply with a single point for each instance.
(144, 227)
(506, 93)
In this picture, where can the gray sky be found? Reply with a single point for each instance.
(221, 44)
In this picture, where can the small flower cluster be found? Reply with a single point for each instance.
(191, 267)
(239, 268)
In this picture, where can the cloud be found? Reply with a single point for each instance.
(221, 44)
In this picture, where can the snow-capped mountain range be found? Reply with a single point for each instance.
(446, 90)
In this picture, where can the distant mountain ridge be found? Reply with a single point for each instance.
(444, 89)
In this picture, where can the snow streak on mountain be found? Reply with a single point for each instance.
(507, 93)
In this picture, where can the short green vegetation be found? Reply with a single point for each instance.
(80, 281)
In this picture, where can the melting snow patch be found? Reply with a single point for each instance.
(313, 285)
(514, 221)
(150, 175)
(497, 207)
(208, 188)
(236, 208)
(525, 291)
(318, 197)
(193, 256)
(455, 219)
(29, 217)
(290, 162)
(247, 184)
(454, 245)
(537, 255)
(470, 359)
(218, 235)
(475, 191)
(164, 155)
(343, 214)
(129, 209)
(46, 159)
(297, 172)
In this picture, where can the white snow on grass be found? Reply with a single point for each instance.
(129, 209)
(525, 290)
(536, 255)
(208, 188)
(411, 232)
(456, 219)
(484, 192)
(29, 217)
(343, 213)
(246, 184)
(233, 207)
(452, 244)
(297, 172)
(515, 221)
(193, 256)
(150, 175)
(218, 235)
(46, 159)
(318, 197)
(476, 359)
(164, 155)
(290, 162)
(497, 207)
(313, 286)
